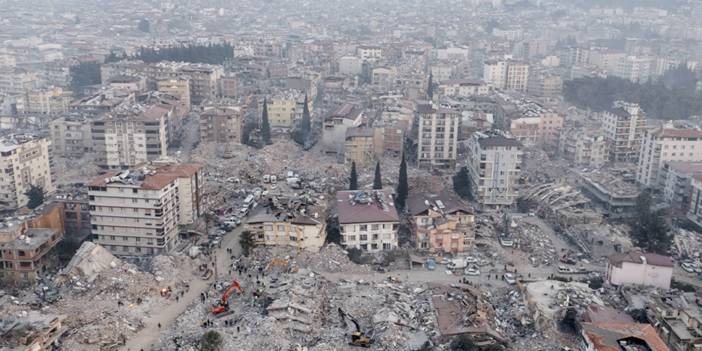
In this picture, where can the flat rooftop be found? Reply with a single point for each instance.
(31, 240)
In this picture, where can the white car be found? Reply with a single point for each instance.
(688, 267)
(472, 270)
(510, 278)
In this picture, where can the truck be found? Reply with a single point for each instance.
(457, 263)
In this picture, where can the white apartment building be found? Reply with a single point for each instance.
(638, 268)
(137, 212)
(26, 162)
(624, 126)
(369, 52)
(289, 228)
(71, 136)
(463, 88)
(121, 141)
(494, 163)
(368, 220)
(438, 136)
(695, 212)
(441, 72)
(663, 145)
(495, 74)
(635, 69)
(350, 65)
(584, 148)
(517, 76)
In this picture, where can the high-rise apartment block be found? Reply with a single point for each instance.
(624, 127)
(506, 74)
(438, 136)
(137, 212)
(26, 162)
(494, 163)
(664, 145)
(71, 136)
(221, 124)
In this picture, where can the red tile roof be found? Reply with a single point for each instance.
(365, 207)
(678, 133)
(606, 336)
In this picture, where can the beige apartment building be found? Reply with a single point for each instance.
(285, 109)
(221, 124)
(71, 136)
(25, 161)
(137, 212)
(179, 88)
(541, 130)
(122, 141)
(363, 146)
(624, 126)
(298, 228)
(664, 145)
(229, 85)
(47, 101)
(584, 148)
(517, 76)
(335, 126)
(438, 136)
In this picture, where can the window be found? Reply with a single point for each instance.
(375, 226)
(374, 246)
(125, 238)
(364, 237)
(112, 237)
(387, 246)
(375, 236)
(281, 227)
(394, 227)
(363, 227)
(364, 246)
(352, 238)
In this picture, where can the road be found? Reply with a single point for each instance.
(147, 338)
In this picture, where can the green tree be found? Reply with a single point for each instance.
(402, 186)
(35, 195)
(430, 87)
(353, 178)
(306, 120)
(462, 183)
(333, 230)
(649, 230)
(247, 242)
(265, 125)
(377, 180)
(211, 341)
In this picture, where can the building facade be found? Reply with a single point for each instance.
(624, 127)
(26, 161)
(438, 137)
(71, 136)
(494, 164)
(221, 124)
(638, 268)
(664, 145)
(441, 224)
(368, 220)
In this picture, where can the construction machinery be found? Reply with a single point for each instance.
(358, 338)
(223, 304)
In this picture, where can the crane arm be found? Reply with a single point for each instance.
(234, 285)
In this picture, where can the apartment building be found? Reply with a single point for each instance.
(350, 65)
(26, 161)
(494, 163)
(283, 109)
(695, 212)
(229, 85)
(495, 74)
(543, 130)
(663, 145)
(624, 127)
(545, 85)
(517, 76)
(368, 220)
(384, 77)
(137, 212)
(677, 317)
(369, 52)
(335, 126)
(293, 222)
(26, 257)
(634, 68)
(463, 88)
(71, 136)
(584, 148)
(441, 223)
(204, 80)
(221, 123)
(640, 269)
(506, 74)
(179, 88)
(363, 146)
(125, 140)
(438, 136)
(676, 181)
(47, 101)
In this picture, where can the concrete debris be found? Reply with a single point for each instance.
(89, 261)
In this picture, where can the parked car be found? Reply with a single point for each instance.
(510, 278)
(472, 270)
(688, 267)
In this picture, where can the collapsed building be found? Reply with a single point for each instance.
(441, 223)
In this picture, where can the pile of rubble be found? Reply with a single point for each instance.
(331, 258)
(106, 300)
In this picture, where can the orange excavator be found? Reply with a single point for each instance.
(223, 304)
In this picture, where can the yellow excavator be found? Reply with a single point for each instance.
(358, 338)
